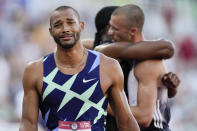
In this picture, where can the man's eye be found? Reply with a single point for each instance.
(114, 28)
(57, 25)
(70, 23)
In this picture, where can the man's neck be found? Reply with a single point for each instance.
(138, 38)
(70, 57)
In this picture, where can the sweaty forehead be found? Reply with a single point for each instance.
(67, 14)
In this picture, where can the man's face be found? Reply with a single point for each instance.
(65, 28)
(118, 30)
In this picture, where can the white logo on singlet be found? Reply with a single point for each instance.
(85, 81)
(74, 126)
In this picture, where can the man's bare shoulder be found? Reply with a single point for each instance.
(111, 66)
(108, 61)
(33, 70)
(111, 73)
(35, 65)
(150, 64)
(149, 68)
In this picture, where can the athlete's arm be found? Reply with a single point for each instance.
(161, 49)
(30, 100)
(148, 74)
(117, 98)
(88, 43)
(113, 50)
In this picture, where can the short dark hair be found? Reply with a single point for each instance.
(133, 14)
(101, 22)
(103, 16)
(61, 8)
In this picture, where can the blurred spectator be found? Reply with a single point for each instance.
(187, 49)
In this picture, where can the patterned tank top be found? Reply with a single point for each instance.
(76, 97)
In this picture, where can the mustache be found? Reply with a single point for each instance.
(66, 34)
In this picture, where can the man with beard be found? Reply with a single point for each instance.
(72, 86)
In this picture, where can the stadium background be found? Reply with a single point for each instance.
(24, 37)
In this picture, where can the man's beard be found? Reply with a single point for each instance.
(70, 45)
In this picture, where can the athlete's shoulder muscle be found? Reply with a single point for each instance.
(33, 74)
(149, 69)
(111, 69)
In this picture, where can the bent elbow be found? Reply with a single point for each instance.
(169, 50)
(145, 122)
(127, 124)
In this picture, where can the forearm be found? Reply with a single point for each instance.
(30, 112)
(113, 50)
(124, 118)
(148, 50)
(131, 125)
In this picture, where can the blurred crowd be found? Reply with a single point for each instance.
(24, 37)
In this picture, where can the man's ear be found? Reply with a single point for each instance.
(82, 25)
(133, 31)
(50, 30)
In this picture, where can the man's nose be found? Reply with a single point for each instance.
(110, 31)
(66, 28)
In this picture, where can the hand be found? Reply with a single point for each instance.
(171, 80)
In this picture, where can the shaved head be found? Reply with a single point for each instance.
(63, 8)
(133, 14)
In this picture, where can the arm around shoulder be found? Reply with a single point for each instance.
(168, 50)
(143, 50)
(113, 50)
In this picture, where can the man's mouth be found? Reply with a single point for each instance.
(66, 37)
